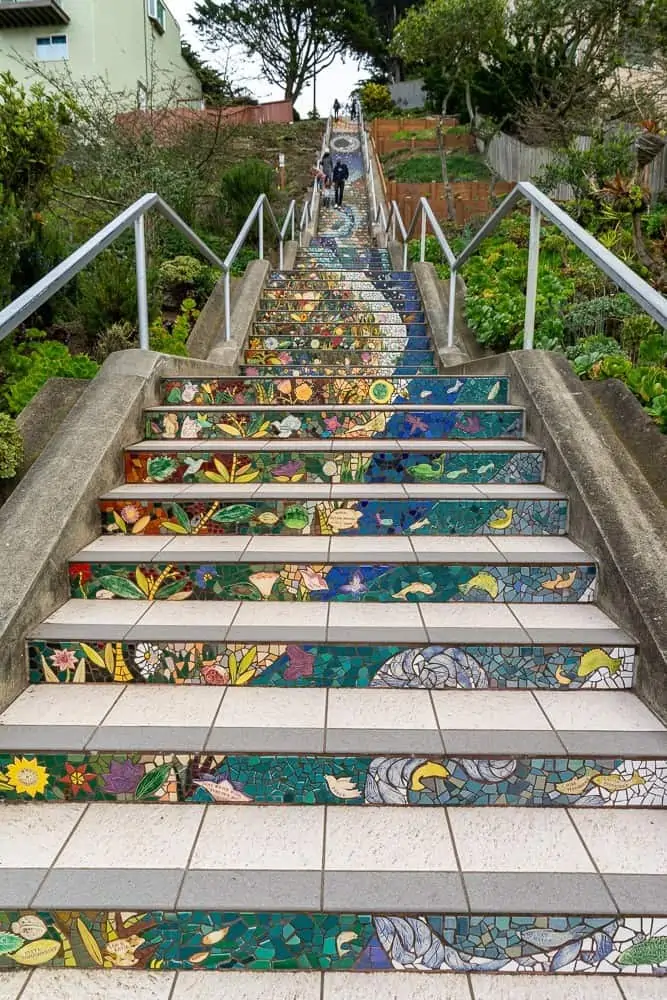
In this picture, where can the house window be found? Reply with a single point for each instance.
(157, 12)
(51, 48)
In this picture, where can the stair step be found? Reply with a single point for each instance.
(310, 859)
(318, 461)
(323, 569)
(342, 316)
(339, 357)
(395, 748)
(236, 389)
(311, 422)
(273, 299)
(564, 625)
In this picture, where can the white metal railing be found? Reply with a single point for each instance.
(326, 139)
(26, 304)
(650, 300)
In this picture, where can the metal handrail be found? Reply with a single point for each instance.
(650, 300)
(26, 304)
(326, 139)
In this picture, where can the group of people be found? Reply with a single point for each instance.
(331, 178)
(353, 108)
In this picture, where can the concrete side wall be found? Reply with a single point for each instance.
(53, 511)
(113, 41)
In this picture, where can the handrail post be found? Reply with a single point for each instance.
(533, 268)
(293, 215)
(405, 255)
(228, 306)
(452, 308)
(142, 285)
(422, 249)
(281, 255)
(260, 229)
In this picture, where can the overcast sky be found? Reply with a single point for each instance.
(337, 81)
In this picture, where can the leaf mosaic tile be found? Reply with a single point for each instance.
(215, 939)
(356, 338)
(338, 582)
(332, 666)
(398, 392)
(413, 517)
(181, 466)
(405, 424)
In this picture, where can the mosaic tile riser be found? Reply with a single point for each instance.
(328, 665)
(345, 517)
(328, 425)
(357, 338)
(333, 941)
(398, 392)
(337, 582)
(328, 779)
(181, 466)
(338, 371)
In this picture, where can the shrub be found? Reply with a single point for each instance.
(106, 293)
(11, 447)
(173, 340)
(241, 185)
(634, 330)
(588, 352)
(186, 277)
(31, 363)
(118, 337)
(376, 100)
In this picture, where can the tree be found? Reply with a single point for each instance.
(294, 40)
(216, 88)
(31, 148)
(566, 55)
(454, 34)
(386, 15)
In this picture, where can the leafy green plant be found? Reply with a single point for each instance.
(590, 351)
(653, 349)
(425, 168)
(634, 330)
(376, 100)
(241, 185)
(32, 362)
(11, 447)
(173, 340)
(106, 293)
(186, 277)
(118, 337)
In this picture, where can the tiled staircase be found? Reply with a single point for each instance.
(333, 585)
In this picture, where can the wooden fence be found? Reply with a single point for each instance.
(513, 160)
(471, 198)
(387, 144)
(389, 126)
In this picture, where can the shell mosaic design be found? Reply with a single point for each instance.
(326, 779)
(217, 939)
(397, 392)
(333, 666)
(181, 466)
(425, 424)
(339, 582)
(335, 517)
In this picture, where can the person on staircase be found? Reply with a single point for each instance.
(340, 175)
(336, 109)
(327, 168)
(354, 109)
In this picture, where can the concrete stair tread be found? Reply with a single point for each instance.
(338, 491)
(73, 984)
(366, 445)
(477, 723)
(372, 549)
(293, 622)
(314, 858)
